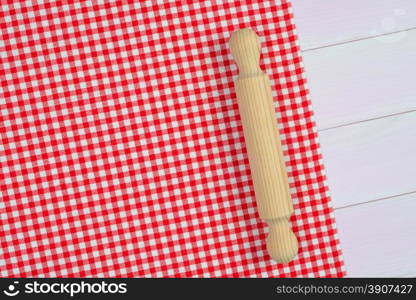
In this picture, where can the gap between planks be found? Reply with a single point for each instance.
(367, 120)
(375, 200)
(356, 40)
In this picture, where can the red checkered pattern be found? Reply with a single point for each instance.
(122, 151)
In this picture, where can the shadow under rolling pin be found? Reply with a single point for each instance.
(263, 146)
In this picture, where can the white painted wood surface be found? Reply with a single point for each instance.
(322, 23)
(362, 80)
(360, 60)
(371, 160)
(378, 238)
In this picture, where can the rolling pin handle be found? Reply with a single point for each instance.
(282, 244)
(245, 48)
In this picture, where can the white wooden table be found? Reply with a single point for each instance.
(360, 60)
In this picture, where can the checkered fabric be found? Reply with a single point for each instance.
(122, 151)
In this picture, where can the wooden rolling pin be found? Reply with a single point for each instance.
(263, 146)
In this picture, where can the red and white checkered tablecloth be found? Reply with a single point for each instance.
(122, 151)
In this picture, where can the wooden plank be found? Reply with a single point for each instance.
(371, 160)
(362, 80)
(321, 23)
(379, 238)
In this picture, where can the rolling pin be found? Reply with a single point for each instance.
(271, 188)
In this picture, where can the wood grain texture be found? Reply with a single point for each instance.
(263, 146)
(322, 23)
(362, 80)
(378, 238)
(371, 160)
